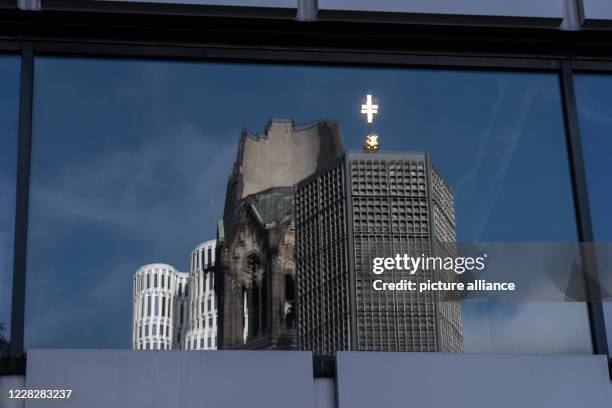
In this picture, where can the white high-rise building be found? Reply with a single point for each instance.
(156, 298)
(176, 310)
(202, 333)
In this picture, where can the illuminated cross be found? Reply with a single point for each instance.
(369, 109)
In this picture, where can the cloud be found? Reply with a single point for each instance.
(143, 189)
(102, 215)
(526, 328)
(499, 145)
(594, 110)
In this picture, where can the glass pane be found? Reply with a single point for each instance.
(594, 99)
(133, 171)
(9, 116)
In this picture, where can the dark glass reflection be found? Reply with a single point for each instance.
(130, 163)
(9, 112)
(594, 98)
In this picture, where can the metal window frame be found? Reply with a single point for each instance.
(570, 69)
(31, 48)
(581, 206)
(591, 66)
(15, 362)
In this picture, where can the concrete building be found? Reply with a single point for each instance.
(175, 310)
(366, 206)
(202, 323)
(158, 302)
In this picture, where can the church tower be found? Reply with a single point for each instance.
(255, 278)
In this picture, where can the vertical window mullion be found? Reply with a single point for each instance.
(16, 350)
(582, 208)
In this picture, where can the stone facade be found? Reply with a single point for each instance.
(256, 270)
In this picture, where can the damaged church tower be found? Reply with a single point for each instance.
(255, 278)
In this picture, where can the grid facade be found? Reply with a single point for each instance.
(449, 311)
(391, 216)
(321, 264)
(202, 333)
(372, 205)
(175, 310)
(155, 300)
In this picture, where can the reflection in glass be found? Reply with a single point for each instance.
(594, 99)
(9, 112)
(130, 163)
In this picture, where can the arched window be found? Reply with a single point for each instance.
(245, 315)
(289, 302)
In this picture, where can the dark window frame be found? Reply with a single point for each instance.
(564, 67)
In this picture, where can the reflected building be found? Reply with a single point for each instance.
(366, 206)
(292, 264)
(202, 323)
(303, 221)
(158, 307)
(175, 310)
(255, 280)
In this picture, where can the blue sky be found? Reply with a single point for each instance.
(130, 161)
